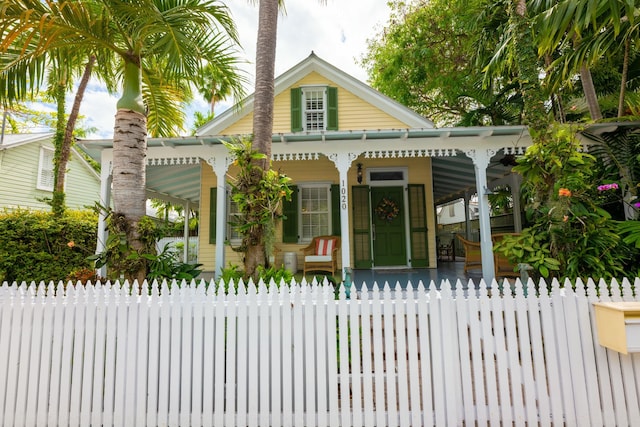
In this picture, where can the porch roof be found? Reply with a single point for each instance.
(453, 171)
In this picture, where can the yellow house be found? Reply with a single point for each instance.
(363, 167)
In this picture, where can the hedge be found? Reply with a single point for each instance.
(36, 246)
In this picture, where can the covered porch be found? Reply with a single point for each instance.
(458, 161)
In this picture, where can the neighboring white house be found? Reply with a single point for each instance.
(453, 212)
(26, 174)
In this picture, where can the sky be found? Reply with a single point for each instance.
(336, 31)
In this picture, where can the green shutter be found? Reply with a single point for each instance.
(332, 108)
(335, 210)
(361, 223)
(296, 109)
(418, 226)
(290, 221)
(213, 203)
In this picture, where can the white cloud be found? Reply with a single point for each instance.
(336, 31)
(98, 109)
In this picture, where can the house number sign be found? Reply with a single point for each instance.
(343, 196)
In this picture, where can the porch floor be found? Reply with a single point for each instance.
(446, 270)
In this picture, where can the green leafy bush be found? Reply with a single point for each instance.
(569, 233)
(233, 272)
(36, 246)
(165, 265)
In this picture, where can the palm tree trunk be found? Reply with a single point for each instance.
(65, 147)
(129, 153)
(265, 66)
(625, 74)
(590, 93)
(263, 111)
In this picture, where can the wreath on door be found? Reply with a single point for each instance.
(387, 210)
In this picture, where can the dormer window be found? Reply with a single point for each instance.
(313, 101)
(314, 108)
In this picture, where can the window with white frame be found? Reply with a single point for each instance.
(314, 108)
(45, 170)
(315, 211)
(234, 216)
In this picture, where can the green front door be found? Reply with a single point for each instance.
(389, 238)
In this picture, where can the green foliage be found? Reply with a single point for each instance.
(569, 233)
(428, 58)
(165, 265)
(630, 232)
(258, 193)
(233, 272)
(501, 200)
(200, 119)
(36, 246)
(530, 247)
(119, 257)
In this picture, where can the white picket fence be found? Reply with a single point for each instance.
(190, 356)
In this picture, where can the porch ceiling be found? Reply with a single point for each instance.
(454, 175)
(175, 184)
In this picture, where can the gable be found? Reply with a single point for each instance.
(359, 106)
(21, 175)
(354, 113)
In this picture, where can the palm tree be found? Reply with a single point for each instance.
(255, 254)
(587, 30)
(215, 85)
(516, 54)
(159, 47)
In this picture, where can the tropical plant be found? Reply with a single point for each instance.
(233, 274)
(165, 265)
(21, 78)
(159, 46)
(585, 31)
(430, 57)
(263, 100)
(618, 152)
(258, 193)
(569, 232)
(216, 84)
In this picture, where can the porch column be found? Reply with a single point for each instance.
(105, 202)
(467, 217)
(516, 181)
(220, 165)
(343, 163)
(481, 159)
(185, 259)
